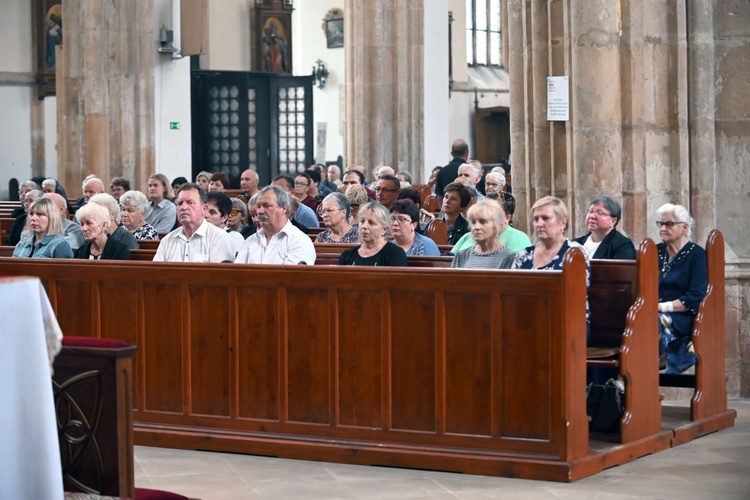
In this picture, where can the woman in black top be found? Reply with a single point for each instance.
(375, 250)
(95, 220)
(603, 241)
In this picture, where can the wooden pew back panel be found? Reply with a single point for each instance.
(409, 357)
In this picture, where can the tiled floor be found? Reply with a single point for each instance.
(716, 466)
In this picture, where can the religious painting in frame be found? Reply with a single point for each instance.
(274, 42)
(333, 27)
(335, 33)
(48, 31)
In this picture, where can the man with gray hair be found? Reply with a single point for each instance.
(471, 175)
(71, 231)
(382, 170)
(277, 241)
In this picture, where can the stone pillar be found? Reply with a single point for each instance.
(659, 113)
(384, 82)
(106, 92)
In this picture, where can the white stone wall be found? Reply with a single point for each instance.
(16, 93)
(308, 45)
(171, 102)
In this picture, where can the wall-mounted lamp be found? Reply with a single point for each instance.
(320, 74)
(166, 39)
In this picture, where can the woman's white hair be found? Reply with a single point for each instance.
(680, 214)
(98, 213)
(135, 199)
(108, 202)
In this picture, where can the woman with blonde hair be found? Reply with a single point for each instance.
(375, 250)
(43, 236)
(357, 196)
(487, 220)
(550, 217)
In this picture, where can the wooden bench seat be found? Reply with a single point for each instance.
(388, 366)
(622, 298)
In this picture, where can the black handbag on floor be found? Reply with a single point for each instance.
(605, 404)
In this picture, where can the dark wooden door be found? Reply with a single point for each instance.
(247, 120)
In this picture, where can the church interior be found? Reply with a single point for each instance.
(656, 109)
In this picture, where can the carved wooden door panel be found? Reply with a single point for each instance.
(244, 120)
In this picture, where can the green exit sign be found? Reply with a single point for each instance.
(174, 125)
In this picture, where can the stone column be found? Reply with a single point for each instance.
(659, 113)
(384, 81)
(106, 92)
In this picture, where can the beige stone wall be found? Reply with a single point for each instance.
(660, 111)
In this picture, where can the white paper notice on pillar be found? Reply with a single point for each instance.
(320, 143)
(558, 99)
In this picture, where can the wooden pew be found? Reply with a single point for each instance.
(624, 321)
(622, 300)
(93, 399)
(401, 367)
(708, 406)
(6, 225)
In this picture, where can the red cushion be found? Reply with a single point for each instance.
(146, 494)
(93, 342)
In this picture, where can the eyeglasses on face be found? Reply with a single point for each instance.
(235, 213)
(401, 220)
(491, 184)
(330, 210)
(301, 183)
(668, 224)
(600, 213)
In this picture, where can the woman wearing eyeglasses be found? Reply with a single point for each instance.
(493, 183)
(405, 221)
(603, 241)
(335, 214)
(683, 280)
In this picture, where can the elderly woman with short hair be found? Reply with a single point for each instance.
(95, 220)
(375, 250)
(43, 236)
(237, 216)
(683, 282)
(405, 217)
(493, 183)
(115, 230)
(487, 220)
(133, 205)
(335, 213)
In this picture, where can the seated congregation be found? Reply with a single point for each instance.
(636, 310)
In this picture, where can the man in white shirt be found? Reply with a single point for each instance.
(277, 241)
(197, 240)
(161, 213)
